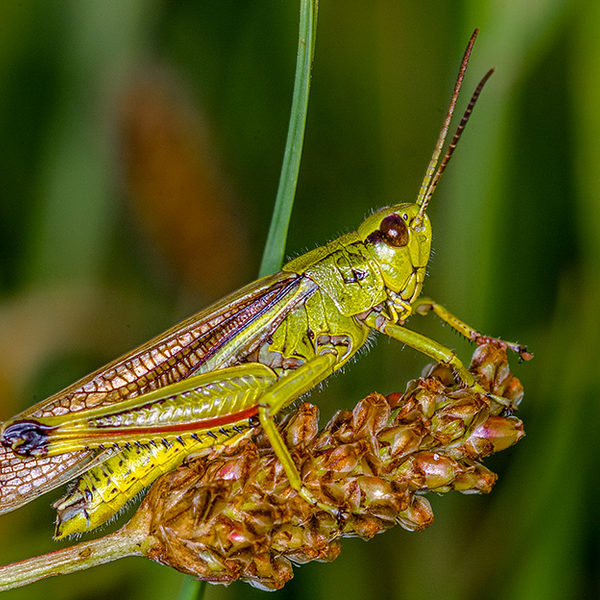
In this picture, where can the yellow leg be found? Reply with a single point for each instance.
(425, 345)
(423, 305)
(281, 394)
(432, 349)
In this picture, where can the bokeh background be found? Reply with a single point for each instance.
(140, 155)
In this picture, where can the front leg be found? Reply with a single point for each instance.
(435, 350)
(424, 305)
(427, 346)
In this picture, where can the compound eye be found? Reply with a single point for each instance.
(394, 231)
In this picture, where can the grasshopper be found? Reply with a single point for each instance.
(216, 377)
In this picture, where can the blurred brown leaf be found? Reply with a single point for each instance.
(180, 195)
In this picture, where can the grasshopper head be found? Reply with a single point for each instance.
(399, 240)
(399, 237)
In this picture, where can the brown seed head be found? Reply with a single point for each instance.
(235, 516)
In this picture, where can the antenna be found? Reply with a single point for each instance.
(434, 172)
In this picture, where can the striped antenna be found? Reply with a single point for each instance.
(453, 143)
(434, 172)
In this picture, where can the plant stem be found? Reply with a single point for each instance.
(82, 556)
(275, 246)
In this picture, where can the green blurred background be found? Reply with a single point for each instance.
(141, 147)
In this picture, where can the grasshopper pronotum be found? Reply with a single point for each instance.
(232, 367)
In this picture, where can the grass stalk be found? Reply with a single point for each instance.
(275, 246)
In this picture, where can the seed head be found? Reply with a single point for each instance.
(233, 515)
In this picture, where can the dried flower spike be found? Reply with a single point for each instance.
(234, 516)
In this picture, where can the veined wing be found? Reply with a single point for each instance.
(214, 338)
(208, 340)
(23, 479)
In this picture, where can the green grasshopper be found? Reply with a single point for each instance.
(216, 377)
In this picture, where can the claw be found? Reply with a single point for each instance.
(524, 355)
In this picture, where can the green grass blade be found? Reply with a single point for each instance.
(275, 247)
(191, 589)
